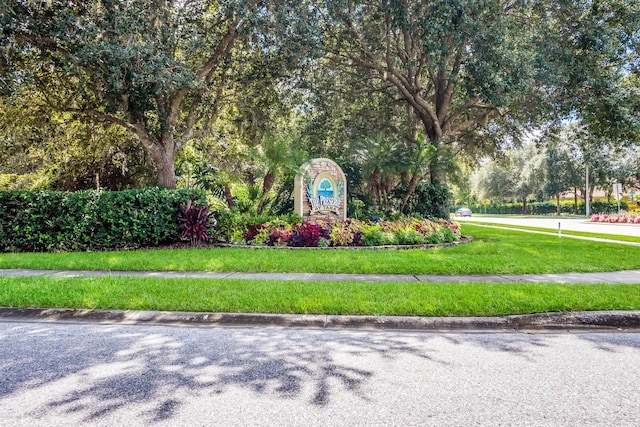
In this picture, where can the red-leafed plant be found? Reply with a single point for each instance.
(195, 222)
(308, 234)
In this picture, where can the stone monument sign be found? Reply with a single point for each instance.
(320, 191)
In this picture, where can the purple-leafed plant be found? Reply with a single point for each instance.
(306, 234)
(195, 222)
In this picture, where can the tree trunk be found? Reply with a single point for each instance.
(524, 206)
(558, 204)
(164, 161)
(437, 167)
(228, 197)
(575, 201)
(267, 184)
(375, 187)
(438, 176)
(413, 183)
(162, 153)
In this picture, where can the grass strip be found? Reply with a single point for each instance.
(398, 299)
(622, 238)
(495, 251)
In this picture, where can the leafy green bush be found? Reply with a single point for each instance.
(605, 207)
(389, 238)
(428, 201)
(90, 220)
(379, 238)
(447, 235)
(373, 238)
(410, 237)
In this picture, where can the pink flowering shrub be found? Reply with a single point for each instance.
(616, 219)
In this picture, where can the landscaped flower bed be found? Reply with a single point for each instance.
(616, 219)
(409, 231)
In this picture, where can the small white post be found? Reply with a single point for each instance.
(587, 206)
(559, 230)
(617, 190)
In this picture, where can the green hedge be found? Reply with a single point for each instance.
(428, 201)
(544, 208)
(36, 221)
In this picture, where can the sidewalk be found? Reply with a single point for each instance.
(610, 320)
(628, 276)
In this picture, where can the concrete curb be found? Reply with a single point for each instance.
(551, 321)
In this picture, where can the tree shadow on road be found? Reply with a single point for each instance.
(92, 371)
(107, 368)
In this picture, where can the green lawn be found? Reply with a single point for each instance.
(620, 237)
(494, 252)
(417, 299)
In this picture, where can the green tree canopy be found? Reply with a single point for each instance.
(158, 68)
(470, 70)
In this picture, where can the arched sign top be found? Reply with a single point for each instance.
(320, 191)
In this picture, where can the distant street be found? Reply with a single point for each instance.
(133, 375)
(573, 224)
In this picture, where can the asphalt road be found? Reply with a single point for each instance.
(573, 224)
(91, 374)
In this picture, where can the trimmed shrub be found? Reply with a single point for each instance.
(428, 201)
(545, 208)
(379, 238)
(39, 221)
(447, 235)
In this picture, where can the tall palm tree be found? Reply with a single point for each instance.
(280, 155)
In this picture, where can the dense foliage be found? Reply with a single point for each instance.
(158, 70)
(89, 220)
(352, 232)
(231, 96)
